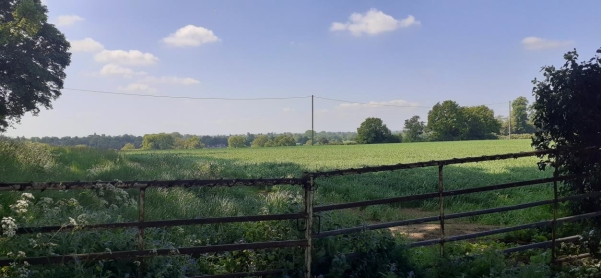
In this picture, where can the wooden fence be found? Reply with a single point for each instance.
(307, 182)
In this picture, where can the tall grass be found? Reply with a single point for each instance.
(23, 162)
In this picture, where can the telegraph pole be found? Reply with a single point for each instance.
(509, 120)
(312, 123)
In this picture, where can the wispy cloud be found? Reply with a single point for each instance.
(170, 80)
(86, 45)
(117, 70)
(128, 58)
(373, 22)
(536, 43)
(67, 20)
(191, 35)
(137, 87)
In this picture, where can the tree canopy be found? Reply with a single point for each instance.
(373, 131)
(414, 129)
(566, 114)
(481, 122)
(236, 141)
(33, 58)
(449, 121)
(160, 141)
(520, 122)
(446, 121)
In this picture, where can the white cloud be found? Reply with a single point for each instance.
(373, 22)
(137, 87)
(113, 69)
(86, 45)
(169, 80)
(376, 104)
(67, 20)
(130, 58)
(191, 35)
(535, 43)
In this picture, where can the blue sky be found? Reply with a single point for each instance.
(405, 53)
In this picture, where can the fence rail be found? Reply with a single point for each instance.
(307, 182)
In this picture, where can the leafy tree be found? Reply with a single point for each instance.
(179, 143)
(504, 130)
(236, 142)
(373, 131)
(270, 143)
(249, 139)
(193, 143)
(33, 58)
(160, 141)
(447, 122)
(284, 140)
(414, 129)
(323, 141)
(481, 123)
(309, 143)
(520, 122)
(302, 139)
(260, 141)
(128, 147)
(566, 114)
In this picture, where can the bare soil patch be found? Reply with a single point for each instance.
(432, 230)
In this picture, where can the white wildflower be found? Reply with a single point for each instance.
(9, 254)
(137, 263)
(72, 221)
(27, 196)
(72, 202)
(20, 207)
(21, 254)
(9, 227)
(108, 251)
(82, 219)
(33, 243)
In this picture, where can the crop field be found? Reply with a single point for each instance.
(34, 162)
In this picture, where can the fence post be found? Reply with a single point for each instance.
(555, 205)
(308, 224)
(441, 198)
(141, 201)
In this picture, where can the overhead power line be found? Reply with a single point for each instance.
(254, 99)
(182, 97)
(372, 103)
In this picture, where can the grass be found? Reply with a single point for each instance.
(35, 162)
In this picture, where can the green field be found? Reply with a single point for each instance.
(32, 162)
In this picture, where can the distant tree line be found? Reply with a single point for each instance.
(447, 121)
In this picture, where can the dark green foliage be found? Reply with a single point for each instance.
(160, 141)
(378, 253)
(414, 130)
(236, 142)
(447, 121)
(481, 123)
(374, 131)
(284, 140)
(94, 141)
(520, 122)
(33, 58)
(323, 141)
(566, 114)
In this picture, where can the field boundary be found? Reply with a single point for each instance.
(310, 212)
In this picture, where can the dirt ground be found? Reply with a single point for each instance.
(431, 230)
